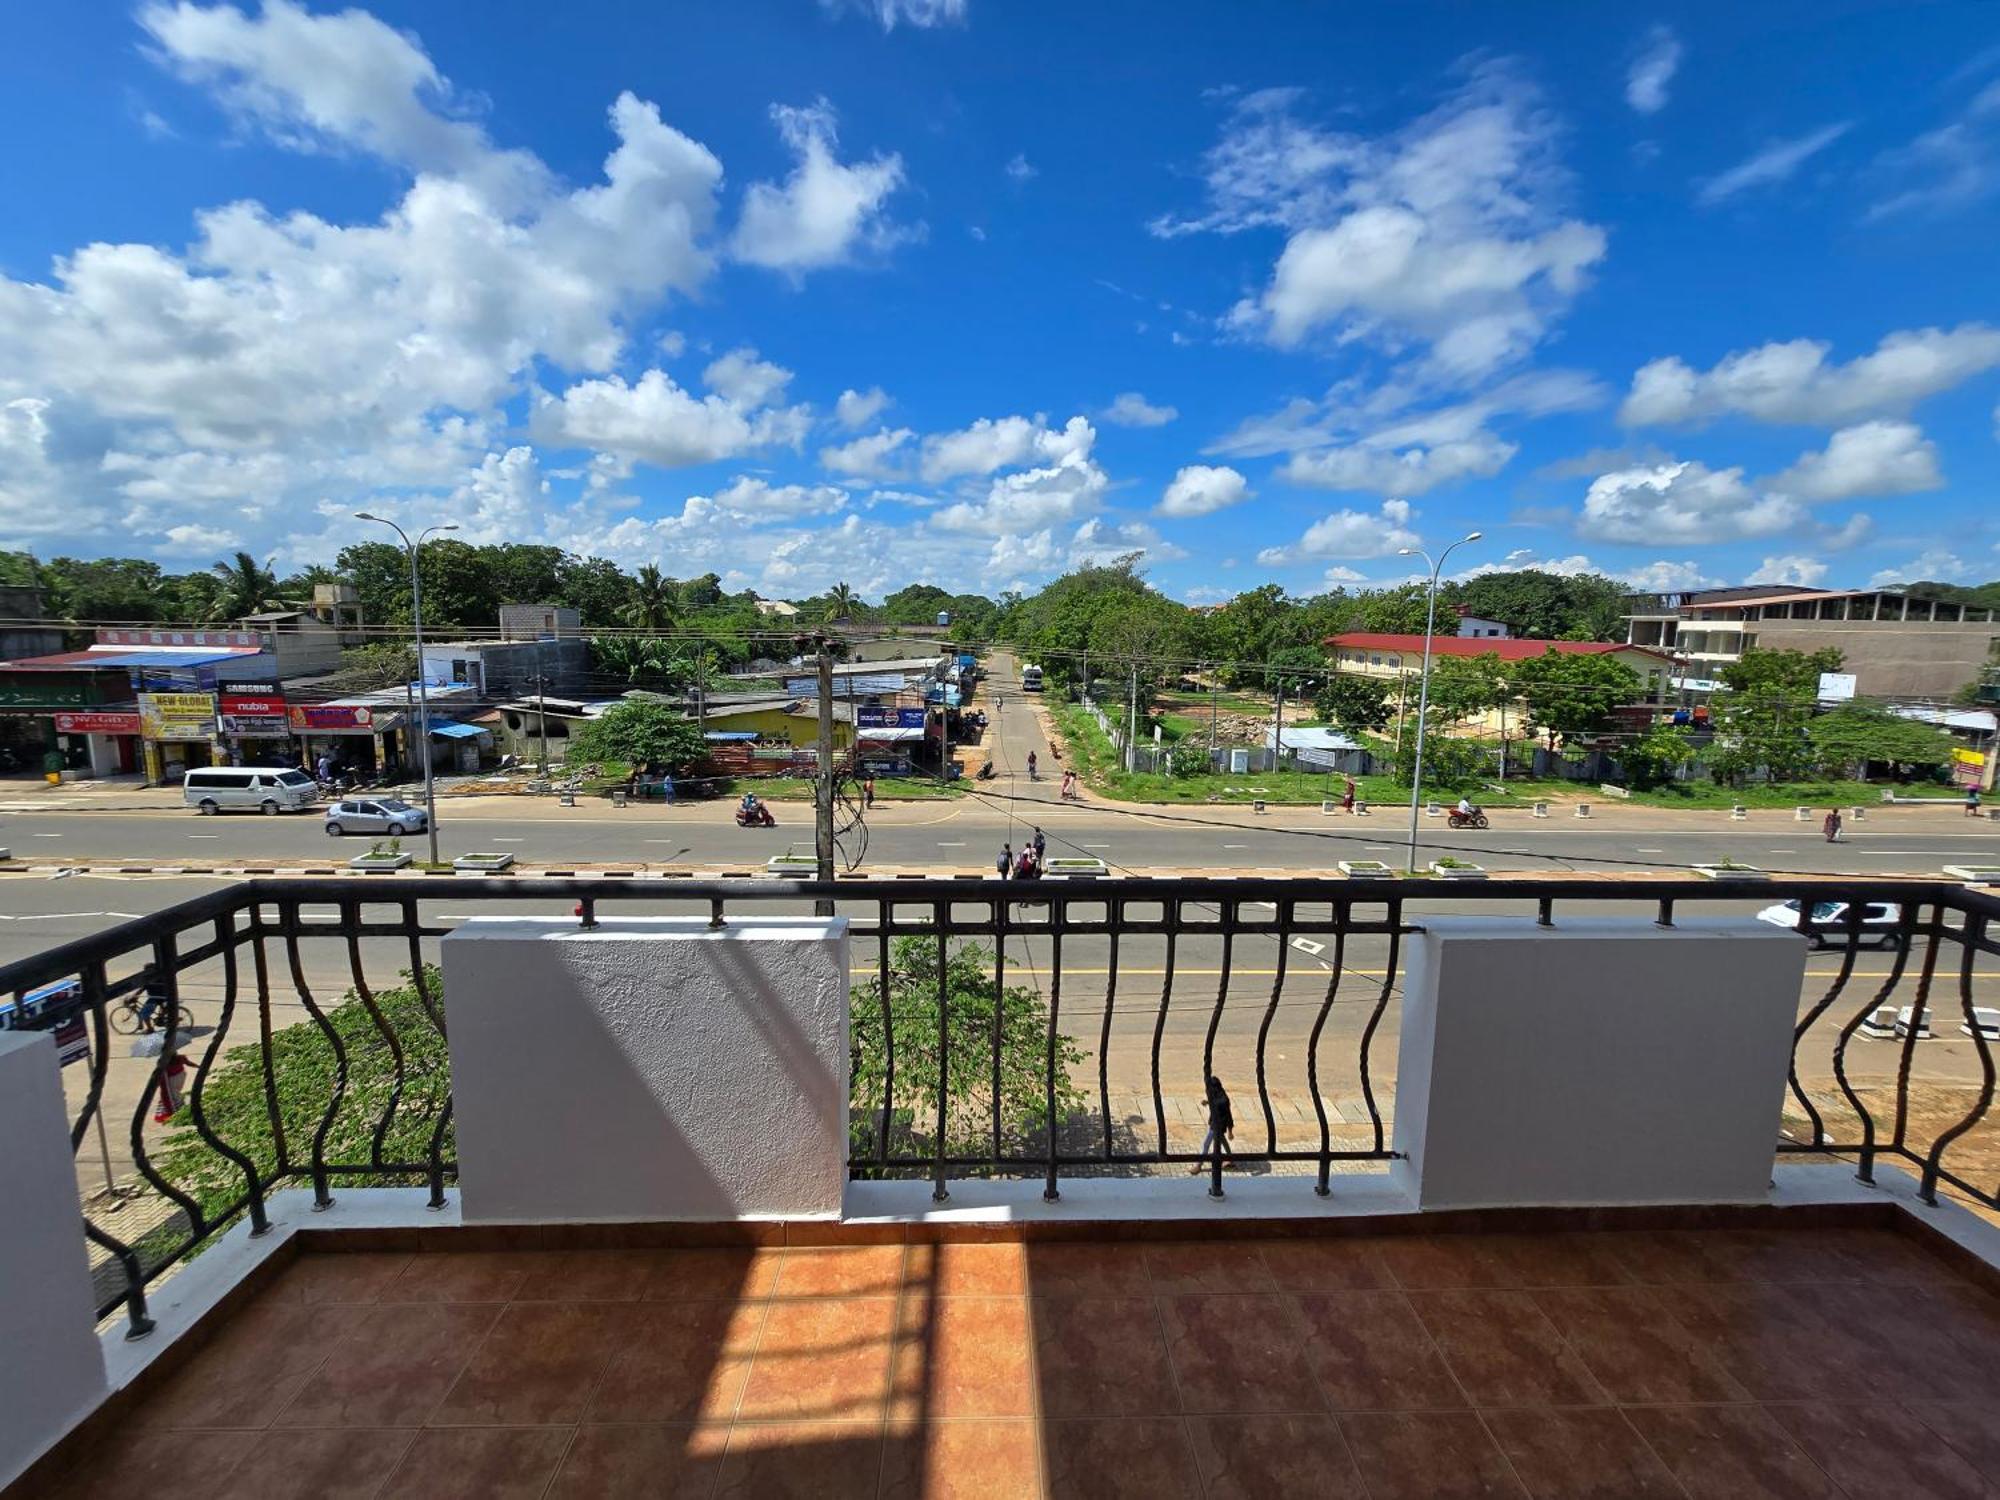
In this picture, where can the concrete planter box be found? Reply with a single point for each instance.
(1975, 874)
(793, 866)
(1730, 872)
(1366, 869)
(1444, 871)
(484, 863)
(380, 863)
(1077, 867)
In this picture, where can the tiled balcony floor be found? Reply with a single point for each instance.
(1799, 1362)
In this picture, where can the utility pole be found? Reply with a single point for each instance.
(1503, 732)
(1132, 725)
(1278, 727)
(1214, 708)
(823, 795)
(542, 720)
(1086, 674)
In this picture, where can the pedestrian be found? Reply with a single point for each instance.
(325, 767)
(1831, 827)
(1031, 767)
(667, 787)
(1041, 846)
(1027, 867)
(868, 792)
(173, 1083)
(1221, 1124)
(1347, 796)
(1972, 802)
(1005, 862)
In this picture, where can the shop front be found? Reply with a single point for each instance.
(255, 724)
(104, 742)
(357, 738)
(177, 735)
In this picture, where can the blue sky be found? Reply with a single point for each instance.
(970, 292)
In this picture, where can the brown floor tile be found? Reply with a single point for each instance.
(822, 1359)
(1553, 1260)
(1207, 1266)
(1503, 1351)
(539, 1364)
(841, 1271)
(1439, 1262)
(1436, 1455)
(1095, 1269)
(964, 1357)
(1662, 1257)
(357, 1277)
(1781, 1255)
(1630, 1342)
(641, 1462)
(1371, 1352)
(1123, 1458)
(1929, 1343)
(588, 1276)
(1273, 1458)
(1325, 1265)
(128, 1466)
(1102, 1356)
(1970, 1428)
(981, 1460)
(1880, 1449)
(245, 1375)
(967, 1269)
(479, 1463)
(316, 1465)
(730, 1275)
(1580, 1453)
(1768, 1341)
(1730, 1453)
(678, 1362)
(1884, 1256)
(807, 1460)
(392, 1366)
(459, 1276)
(1235, 1354)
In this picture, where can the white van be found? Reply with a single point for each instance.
(268, 789)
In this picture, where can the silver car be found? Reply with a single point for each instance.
(1881, 922)
(390, 815)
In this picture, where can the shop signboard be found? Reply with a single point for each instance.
(890, 718)
(253, 709)
(1968, 767)
(332, 718)
(849, 685)
(98, 723)
(177, 716)
(46, 690)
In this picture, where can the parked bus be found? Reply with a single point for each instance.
(1031, 679)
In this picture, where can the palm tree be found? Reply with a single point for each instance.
(247, 587)
(651, 606)
(841, 602)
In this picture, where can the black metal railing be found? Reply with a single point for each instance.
(985, 1043)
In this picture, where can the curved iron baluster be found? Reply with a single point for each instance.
(322, 1193)
(434, 1165)
(1264, 1030)
(225, 938)
(350, 918)
(1221, 992)
(1905, 935)
(999, 1011)
(1057, 911)
(1312, 1051)
(165, 973)
(1806, 1021)
(1970, 937)
(1171, 909)
(281, 1151)
(94, 986)
(1919, 1010)
(888, 1032)
(137, 1323)
(939, 918)
(1116, 912)
(1395, 912)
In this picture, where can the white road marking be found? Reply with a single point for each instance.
(1649, 851)
(1236, 846)
(204, 835)
(1378, 848)
(1097, 846)
(499, 840)
(951, 843)
(1307, 945)
(48, 835)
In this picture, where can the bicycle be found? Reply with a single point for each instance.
(125, 1019)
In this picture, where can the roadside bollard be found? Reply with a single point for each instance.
(1258, 805)
(1541, 809)
(1431, 809)
(1856, 814)
(1361, 809)
(1802, 815)
(1739, 813)
(1326, 804)
(1583, 809)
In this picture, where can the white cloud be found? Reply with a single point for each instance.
(856, 409)
(1947, 168)
(870, 457)
(990, 444)
(1652, 71)
(1774, 163)
(1793, 382)
(1665, 577)
(1874, 458)
(1682, 502)
(1335, 576)
(889, 13)
(1019, 168)
(1130, 409)
(671, 344)
(191, 540)
(826, 212)
(1350, 533)
(1066, 490)
(1411, 471)
(655, 421)
(742, 379)
(1934, 566)
(1448, 232)
(756, 497)
(1100, 539)
(1522, 559)
(1200, 490)
(1808, 572)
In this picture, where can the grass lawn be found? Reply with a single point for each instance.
(887, 789)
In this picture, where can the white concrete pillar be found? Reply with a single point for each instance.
(52, 1370)
(651, 1068)
(1604, 1060)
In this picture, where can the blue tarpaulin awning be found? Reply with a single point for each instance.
(457, 731)
(730, 734)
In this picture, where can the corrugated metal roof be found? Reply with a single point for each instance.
(98, 658)
(459, 731)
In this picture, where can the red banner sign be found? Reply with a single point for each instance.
(249, 706)
(104, 723)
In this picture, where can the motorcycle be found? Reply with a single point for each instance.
(761, 818)
(1474, 819)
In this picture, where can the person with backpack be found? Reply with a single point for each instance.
(1221, 1124)
(1004, 861)
(1041, 847)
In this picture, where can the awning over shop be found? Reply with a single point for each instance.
(889, 734)
(730, 734)
(458, 732)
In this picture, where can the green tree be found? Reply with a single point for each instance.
(374, 667)
(1655, 758)
(1549, 606)
(1301, 669)
(1359, 705)
(247, 587)
(1856, 733)
(523, 572)
(640, 732)
(1396, 611)
(595, 587)
(110, 588)
(841, 602)
(639, 659)
(1463, 686)
(651, 606)
(971, 1000)
(1761, 722)
(1569, 696)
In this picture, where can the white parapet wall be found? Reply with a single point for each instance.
(649, 1068)
(51, 1367)
(1603, 1060)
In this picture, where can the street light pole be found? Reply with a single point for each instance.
(1424, 680)
(423, 687)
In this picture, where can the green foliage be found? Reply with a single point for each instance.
(303, 1068)
(1358, 705)
(1855, 733)
(1300, 669)
(640, 732)
(1761, 723)
(1188, 760)
(1462, 686)
(1793, 675)
(596, 588)
(1654, 759)
(972, 1004)
(1450, 762)
(641, 659)
(246, 587)
(973, 616)
(1549, 606)
(374, 667)
(1569, 697)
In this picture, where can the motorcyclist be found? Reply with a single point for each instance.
(1467, 808)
